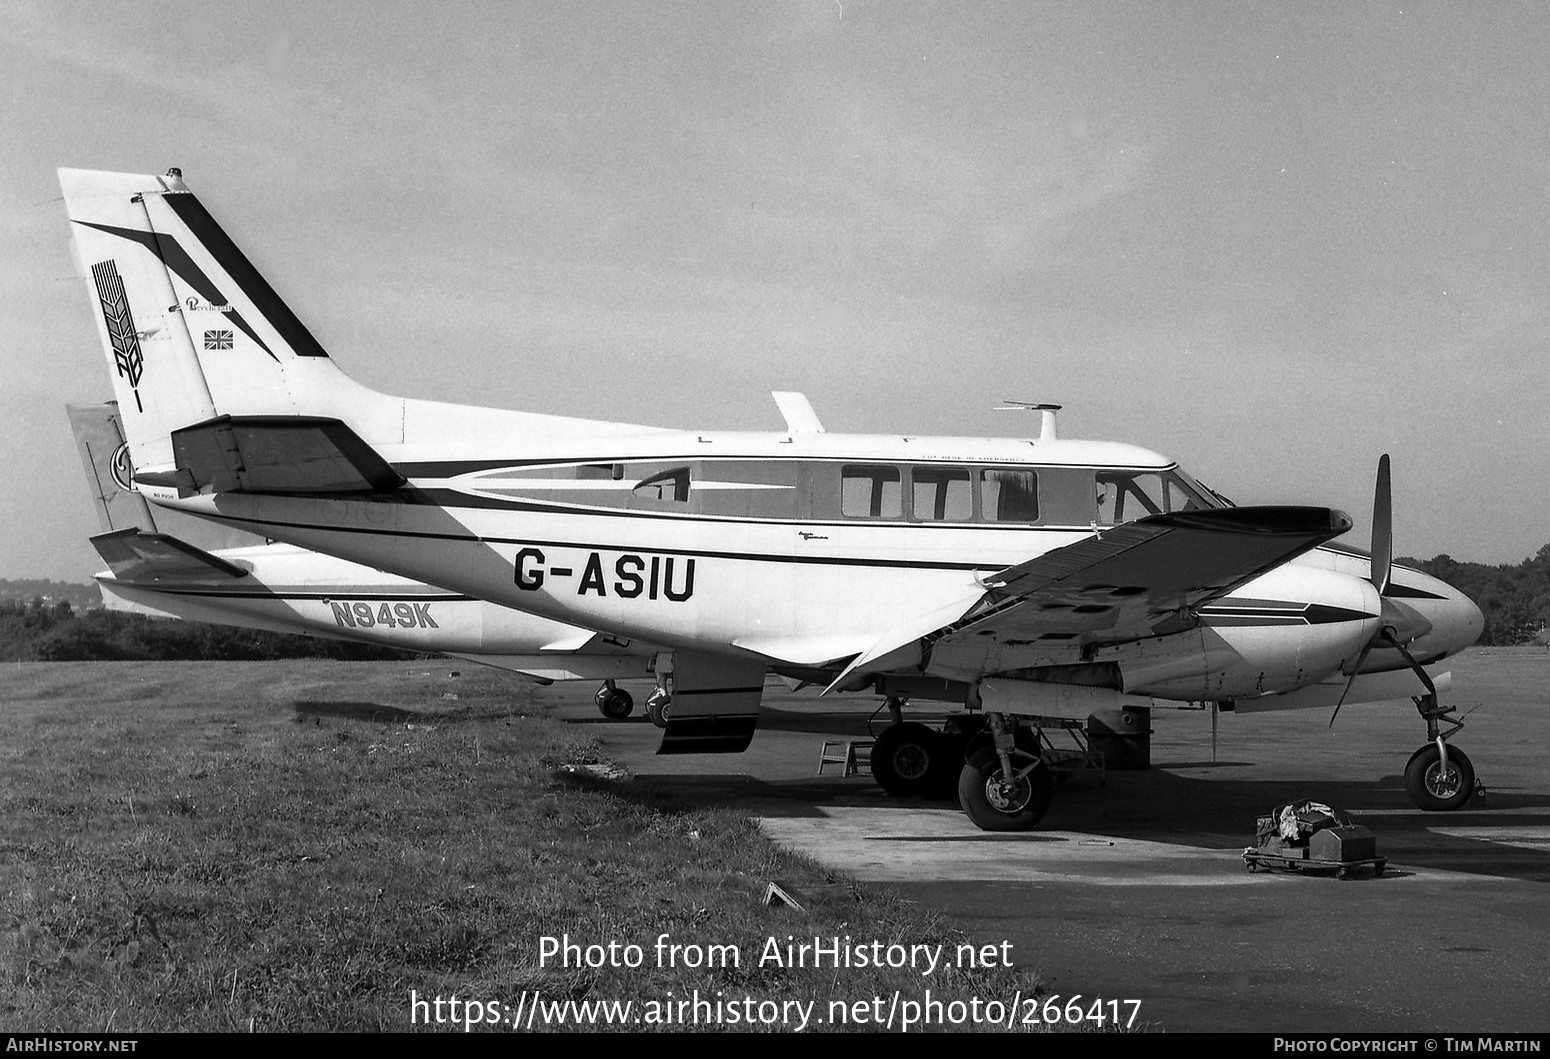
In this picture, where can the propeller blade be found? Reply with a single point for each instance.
(1355, 670)
(1382, 529)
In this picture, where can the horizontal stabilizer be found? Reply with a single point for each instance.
(136, 556)
(274, 454)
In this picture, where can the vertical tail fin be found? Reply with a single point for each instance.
(190, 328)
(105, 458)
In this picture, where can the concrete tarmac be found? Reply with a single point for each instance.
(1134, 887)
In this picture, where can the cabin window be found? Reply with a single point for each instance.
(1009, 495)
(670, 485)
(871, 491)
(941, 494)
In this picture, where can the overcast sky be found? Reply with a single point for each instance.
(1271, 241)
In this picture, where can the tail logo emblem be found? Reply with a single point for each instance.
(121, 325)
(121, 469)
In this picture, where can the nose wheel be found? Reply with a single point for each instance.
(1439, 777)
(1437, 784)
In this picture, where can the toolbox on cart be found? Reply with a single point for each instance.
(1310, 835)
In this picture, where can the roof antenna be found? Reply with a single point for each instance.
(1046, 411)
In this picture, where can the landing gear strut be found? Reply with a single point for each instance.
(1439, 777)
(659, 707)
(613, 701)
(1004, 786)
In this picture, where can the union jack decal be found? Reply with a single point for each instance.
(217, 339)
(121, 325)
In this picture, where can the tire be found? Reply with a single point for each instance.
(907, 759)
(1432, 789)
(992, 807)
(616, 705)
(659, 708)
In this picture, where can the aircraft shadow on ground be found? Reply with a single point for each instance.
(1216, 813)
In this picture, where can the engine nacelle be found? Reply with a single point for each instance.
(1285, 630)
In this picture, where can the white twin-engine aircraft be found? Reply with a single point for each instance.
(1023, 579)
(283, 588)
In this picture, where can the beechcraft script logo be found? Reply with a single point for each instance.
(121, 325)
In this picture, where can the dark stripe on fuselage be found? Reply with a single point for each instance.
(767, 557)
(259, 591)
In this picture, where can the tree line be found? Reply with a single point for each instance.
(52, 630)
(1514, 599)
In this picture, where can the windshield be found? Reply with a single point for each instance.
(1124, 496)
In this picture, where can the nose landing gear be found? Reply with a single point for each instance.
(1440, 777)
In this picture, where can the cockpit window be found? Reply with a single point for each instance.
(1124, 496)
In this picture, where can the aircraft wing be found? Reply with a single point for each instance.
(1130, 581)
(134, 556)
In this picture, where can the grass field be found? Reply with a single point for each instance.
(305, 845)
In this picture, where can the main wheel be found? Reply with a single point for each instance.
(907, 758)
(659, 708)
(615, 703)
(1434, 788)
(997, 806)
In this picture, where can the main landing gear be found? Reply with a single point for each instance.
(1004, 784)
(1440, 777)
(995, 768)
(613, 701)
(659, 707)
(910, 760)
